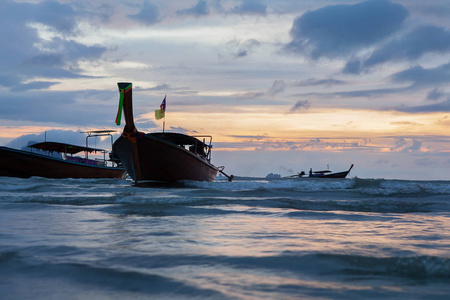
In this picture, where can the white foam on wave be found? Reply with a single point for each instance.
(288, 184)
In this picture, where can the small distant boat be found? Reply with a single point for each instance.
(161, 156)
(323, 174)
(25, 164)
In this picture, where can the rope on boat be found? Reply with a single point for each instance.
(132, 136)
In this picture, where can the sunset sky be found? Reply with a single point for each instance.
(282, 86)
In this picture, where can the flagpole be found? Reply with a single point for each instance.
(164, 121)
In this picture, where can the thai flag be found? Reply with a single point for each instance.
(163, 104)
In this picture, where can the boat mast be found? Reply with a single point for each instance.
(125, 89)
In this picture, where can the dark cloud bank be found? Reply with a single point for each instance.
(372, 33)
(339, 30)
(344, 31)
(22, 60)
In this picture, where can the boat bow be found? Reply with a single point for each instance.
(162, 156)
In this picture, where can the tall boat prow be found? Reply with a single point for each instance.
(161, 156)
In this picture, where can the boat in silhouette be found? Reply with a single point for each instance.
(57, 160)
(161, 156)
(322, 174)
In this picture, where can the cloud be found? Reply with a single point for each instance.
(59, 52)
(311, 144)
(317, 82)
(21, 37)
(339, 30)
(250, 7)
(252, 137)
(35, 85)
(77, 51)
(352, 67)
(300, 105)
(243, 49)
(26, 55)
(402, 145)
(424, 39)
(62, 136)
(198, 10)
(278, 86)
(382, 161)
(60, 60)
(60, 107)
(148, 15)
(44, 59)
(161, 87)
(426, 162)
(250, 95)
(428, 108)
(369, 93)
(145, 125)
(435, 94)
(420, 76)
(60, 17)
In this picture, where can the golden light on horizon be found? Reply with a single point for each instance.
(330, 131)
(17, 131)
(250, 129)
(314, 124)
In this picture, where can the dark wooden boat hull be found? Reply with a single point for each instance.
(24, 164)
(333, 175)
(162, 161)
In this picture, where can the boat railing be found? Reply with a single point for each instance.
(102, 162)
(106, 162)
(86, 161)
(206, 145)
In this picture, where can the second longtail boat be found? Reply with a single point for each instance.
(57, 160)
(161, 156)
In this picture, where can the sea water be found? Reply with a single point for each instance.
(247, 239)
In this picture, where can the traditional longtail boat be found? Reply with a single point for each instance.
(323, 174)
(161, 156)
(43, 162)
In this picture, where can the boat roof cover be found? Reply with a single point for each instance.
(63, 148)
(177, 138)
(99, 131)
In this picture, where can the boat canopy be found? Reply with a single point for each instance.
(179, 138)
(106, 132)
(63, 148)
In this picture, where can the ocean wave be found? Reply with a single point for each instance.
(401, 187)
(60, 276)
(179, 204)
(381, 187)
(8, 256)
(355, 194)
(281, 184)
(374, 187)
(414, 267)
(80, 260)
